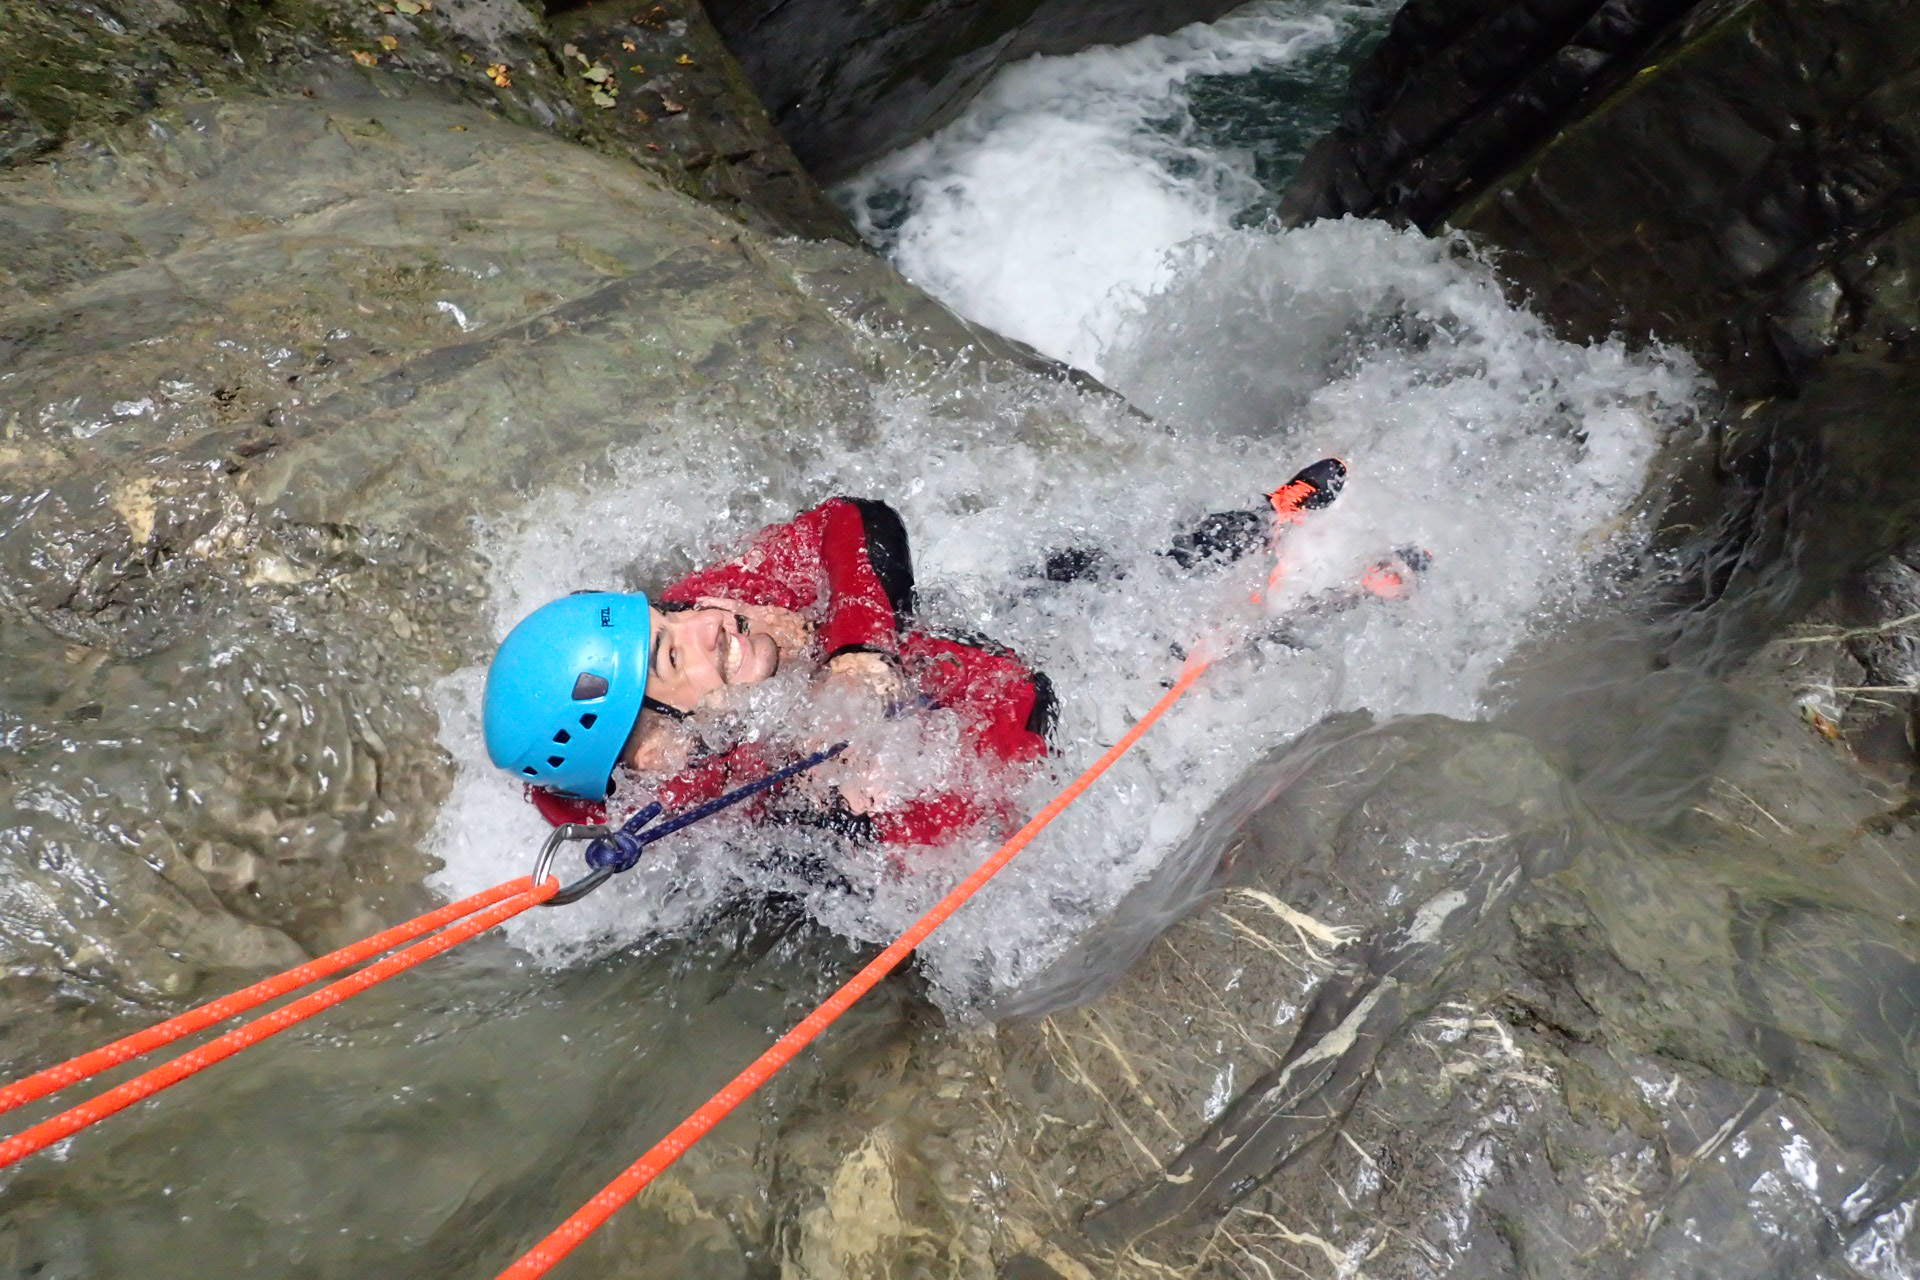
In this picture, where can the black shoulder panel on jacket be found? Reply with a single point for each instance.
(1046, 708)
(888, 553)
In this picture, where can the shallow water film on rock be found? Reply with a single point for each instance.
(1554, 919)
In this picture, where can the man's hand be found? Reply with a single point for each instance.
(860, 782)
(856, 689)
(865, 678)
(868, 794)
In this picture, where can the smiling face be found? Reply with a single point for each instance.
(695, 652)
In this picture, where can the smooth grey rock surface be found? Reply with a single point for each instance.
(267, 362)
(1439, 1017)
(846, 82)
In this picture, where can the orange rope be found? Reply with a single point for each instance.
(77, 1069)
(524, 895)
(568, 1235)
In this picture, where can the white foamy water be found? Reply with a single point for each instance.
(1517, 460)
(1069, 178)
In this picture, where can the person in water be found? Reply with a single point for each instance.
(598, 680)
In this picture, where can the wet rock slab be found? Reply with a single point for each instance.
(1738, 177)
(1440, 1017)
(265, 364)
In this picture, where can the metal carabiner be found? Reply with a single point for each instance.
(580, 888)
(543, 865)
(623, 847)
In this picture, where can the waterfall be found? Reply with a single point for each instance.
(1104, 209)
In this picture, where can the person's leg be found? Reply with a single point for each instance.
(1219, 539)
(1078, 564)
(1225, 536)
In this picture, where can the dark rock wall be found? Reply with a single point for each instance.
(1740, 177)
(1459, 90)
(848, 81)
(1644, 165)
(650, 82)
(1731, 195)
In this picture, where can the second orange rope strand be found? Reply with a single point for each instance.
(97, 1108)
(538, 1260)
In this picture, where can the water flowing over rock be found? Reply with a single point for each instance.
(268, 362)
(1441, 1016)
(1621, 984)
(1737, 177)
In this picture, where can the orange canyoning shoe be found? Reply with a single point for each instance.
(1393, 577)
(1311, 488)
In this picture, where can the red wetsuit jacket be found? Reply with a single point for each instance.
(845, 565)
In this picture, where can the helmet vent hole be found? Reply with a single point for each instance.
(556, 761)
(586, 721)
(588, 686)
(562, 737)
(531, 772)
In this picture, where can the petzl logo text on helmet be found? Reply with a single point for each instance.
(606, 615)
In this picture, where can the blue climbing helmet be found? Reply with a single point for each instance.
(565, 689)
